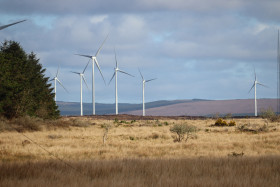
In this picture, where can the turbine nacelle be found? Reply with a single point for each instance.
(56, 79)
(116, 69)
(143, 80)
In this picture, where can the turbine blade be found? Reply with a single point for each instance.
(85, 80)
(112, 78)
(5, 26)
(100, 70)
(255, 74)
(151, 80)
(51, 79)
(88, 56)
(101, 46)
(251, 88)
(75, 72)
(57, 72)
(116, 58)
(125, 73)
(262, 84)
(141, 74)
(62, 85)
(86, 66)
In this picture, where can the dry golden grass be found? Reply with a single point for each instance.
(140, 139)
(250, 171)
(165, 163)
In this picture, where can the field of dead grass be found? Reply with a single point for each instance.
(144, 142)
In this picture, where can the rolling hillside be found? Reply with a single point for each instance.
(195, 107)
(209, 108)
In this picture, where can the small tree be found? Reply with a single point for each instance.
(181, 130)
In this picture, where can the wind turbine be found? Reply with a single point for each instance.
(144, 81)
(255, 85)
(82, 76)
(94, 61)
(116, 69)
(5, 26)
(56, 79)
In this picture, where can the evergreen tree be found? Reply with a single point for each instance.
(24, 90)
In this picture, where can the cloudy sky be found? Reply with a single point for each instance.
(203, 49)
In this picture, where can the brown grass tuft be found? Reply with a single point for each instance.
(251, 171)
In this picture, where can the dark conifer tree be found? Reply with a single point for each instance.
(24, 89)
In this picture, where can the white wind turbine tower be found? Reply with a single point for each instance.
(116, 69)
(255, 85)
(143, 82)
(94, 61)
(56, 79)
(82, 76)
(5, 26)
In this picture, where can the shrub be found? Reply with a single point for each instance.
(80, 123)
(181, 130)
(116, 120)
(232, 123)
(4, 124)
(270, 115)
(166, 123)
(220, 122)
(28, 123)
(254, 128)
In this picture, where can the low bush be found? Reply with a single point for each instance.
(80, 123)
(181, 130)
(232, 123)
(166, 123)
(4, 125)
(27, 123)
(221, 123)
(270, 115)
(254, 128)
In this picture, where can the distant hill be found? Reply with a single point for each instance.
(195, 107)
(73, 108)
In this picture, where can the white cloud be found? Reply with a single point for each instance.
(98, 19)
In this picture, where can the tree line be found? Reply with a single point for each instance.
(24, 88)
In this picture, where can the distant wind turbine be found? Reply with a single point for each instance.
(116, 69)
(144, 81)
(82, 76)
(255, 85)
(94, 61)
(5, 26)
(56, 79)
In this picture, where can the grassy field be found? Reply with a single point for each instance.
(141, 152)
